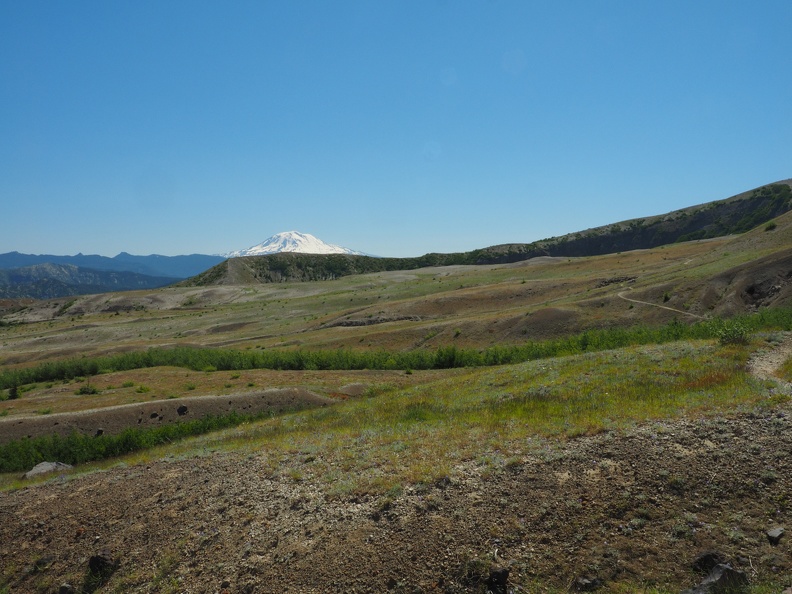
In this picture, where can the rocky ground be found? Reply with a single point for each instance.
(623, 512)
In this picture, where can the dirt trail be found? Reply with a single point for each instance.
(114, 419)
(766, 363)
(687, 313)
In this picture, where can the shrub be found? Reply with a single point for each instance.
(77, 448)
(87, 389)
(206, 359)
(732, 332)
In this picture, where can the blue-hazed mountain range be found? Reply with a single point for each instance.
(178, 267)
(47, 276)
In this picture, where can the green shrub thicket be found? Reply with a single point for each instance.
(445, 357)
(77, 448)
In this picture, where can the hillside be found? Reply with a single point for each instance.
(734, 215)
(154, 265)
(487, 304)
(45, 281)
(650, 424)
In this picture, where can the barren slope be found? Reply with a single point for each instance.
(634, 508)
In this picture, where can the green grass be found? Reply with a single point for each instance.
(417, 435)
(785, 372)
(390, 437)
(77, 448)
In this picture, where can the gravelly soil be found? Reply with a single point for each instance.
(631, 509)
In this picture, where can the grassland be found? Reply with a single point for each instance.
(638, 437)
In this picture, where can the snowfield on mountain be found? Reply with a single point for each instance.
(292, 241)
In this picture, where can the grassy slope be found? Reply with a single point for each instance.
(398, 440)
(412, 430)
(470, 306)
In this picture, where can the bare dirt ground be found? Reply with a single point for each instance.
(114, 419)
(765, 364)
(621, 511)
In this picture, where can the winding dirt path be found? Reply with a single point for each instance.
(765, 363)
(687, 313)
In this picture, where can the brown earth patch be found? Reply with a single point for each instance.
(632, 509)
(114, 419)
(762, 283)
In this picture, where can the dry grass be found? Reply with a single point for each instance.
(143, 385)
(484, 302)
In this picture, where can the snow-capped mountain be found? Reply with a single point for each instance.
(292, 241)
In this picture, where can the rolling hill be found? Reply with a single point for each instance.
(734, 215)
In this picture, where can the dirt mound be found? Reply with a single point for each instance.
(114, 419)
(762, 283)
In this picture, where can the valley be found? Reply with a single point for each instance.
(608, 468)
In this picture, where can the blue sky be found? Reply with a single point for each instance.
(392, 127)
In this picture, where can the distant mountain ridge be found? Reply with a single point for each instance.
(178, 267)
(292, 242)
(295, 256)
(730, 216)
(46, 276)
(46, 281)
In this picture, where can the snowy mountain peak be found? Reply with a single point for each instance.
(292, 241)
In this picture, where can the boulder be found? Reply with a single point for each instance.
(774, 535)
(723, 579)
(707, 561)
(45, 467)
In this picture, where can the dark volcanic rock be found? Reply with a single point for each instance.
(498, 580)
(100, 567)
(101, 562)
(721, 580)
(707, 561)
(774, 535)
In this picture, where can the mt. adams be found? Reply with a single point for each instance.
(292, 241)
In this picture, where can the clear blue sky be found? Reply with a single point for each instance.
(395, 127)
